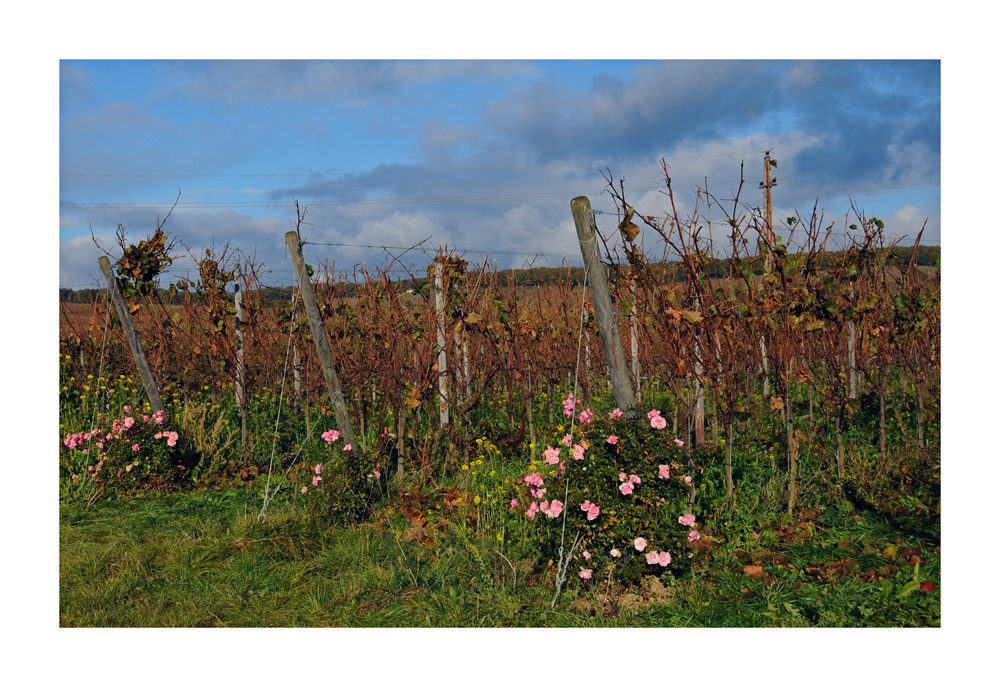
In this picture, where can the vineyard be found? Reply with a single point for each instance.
(770, 394)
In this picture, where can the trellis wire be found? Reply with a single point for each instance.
(562, 567)
(268, 496)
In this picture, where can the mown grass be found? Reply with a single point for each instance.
(203, 559)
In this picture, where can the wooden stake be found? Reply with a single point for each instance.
(132, 337)
(613, 352)
(442, 342)
(240, 370)
(321, 338)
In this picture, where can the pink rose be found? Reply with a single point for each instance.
(586, 573)
(577, 452)
(640, 544)
(694, 535)
(586, 416)
(658, 422)
(513, 504)
(586, 554)
(319, 468)
(625, 488)
(653, 413)
(567, 440)
(664, 559)
(615, 414)
(551, 455)
(622, 476)
(687, 479)
(593, 512)
(678, 442)
(634, 479)
(652, 558)
(612, 440)
(687, 520)
(585, 506)
(665, 472)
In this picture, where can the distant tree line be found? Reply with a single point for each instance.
(927, 256)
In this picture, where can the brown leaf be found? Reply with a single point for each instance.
(777, 403)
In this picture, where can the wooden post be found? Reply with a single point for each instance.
(318, 330)
(132, 337)
(240, 369)
(442, 342)
(613, 352)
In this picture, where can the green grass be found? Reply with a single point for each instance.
(202, 559)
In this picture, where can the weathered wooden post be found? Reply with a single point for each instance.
(442, 342)
(613, 352)
(132, 337)
(241, 399)
(319, 335)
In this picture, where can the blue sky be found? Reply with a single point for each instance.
(481, 155)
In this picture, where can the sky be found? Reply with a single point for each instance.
(481, 156)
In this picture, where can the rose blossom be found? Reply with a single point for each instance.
(612, 440)
(653, 557)
(658, 422)
(664, 559)
(687, 520)
(665, 472)
(625, 488)
(640, 544)
(586, 573)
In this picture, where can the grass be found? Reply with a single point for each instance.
(202, 559)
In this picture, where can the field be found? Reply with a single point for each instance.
(772, 458)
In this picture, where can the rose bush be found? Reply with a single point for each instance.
(624, 487)
(126, 455)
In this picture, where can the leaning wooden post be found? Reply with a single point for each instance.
(613, 351)
(132, 338)
(319, 335)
